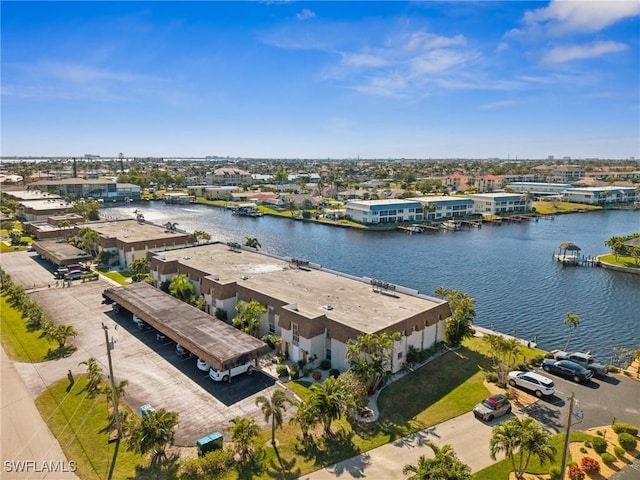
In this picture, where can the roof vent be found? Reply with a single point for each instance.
(244, 277)
(328, 307)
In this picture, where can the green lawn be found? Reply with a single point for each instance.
(120, 277)
(501, 469)
(549, 208)
(78, 422)
(621, 261)
(20, 344)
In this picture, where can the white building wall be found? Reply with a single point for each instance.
(338, 354)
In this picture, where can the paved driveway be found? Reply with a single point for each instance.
(155, 374)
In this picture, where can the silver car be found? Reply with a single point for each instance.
(492, 407)
(534, 382)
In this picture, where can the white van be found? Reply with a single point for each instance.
(224, 375)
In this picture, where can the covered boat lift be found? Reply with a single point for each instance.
(218, 343)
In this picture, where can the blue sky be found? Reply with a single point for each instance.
(322, 79)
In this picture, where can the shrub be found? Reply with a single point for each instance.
(627, 441)
(282, 370)
(325, 364)
(599, 445)
(583, 450)
(575, 473)
(607, 458)
(294, 371)
(491, 377)
(625, 427)
(590, 465)
(271, 339)
(522, 366)
(600, 433)
(555, 473)
(215, 462)
(334, 372)
(619, 451)
(537, 360)
(587, 443)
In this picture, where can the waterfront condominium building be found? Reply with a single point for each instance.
(314, 310)
(500, 203)
(384, 211)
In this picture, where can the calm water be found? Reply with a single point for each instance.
(508, 269)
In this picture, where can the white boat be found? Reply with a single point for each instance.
(450, 225)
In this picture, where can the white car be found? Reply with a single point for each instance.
(202, 365)
(534, 382)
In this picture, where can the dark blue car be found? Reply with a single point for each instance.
(568, 369)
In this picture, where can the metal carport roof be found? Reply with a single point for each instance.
(219, 344)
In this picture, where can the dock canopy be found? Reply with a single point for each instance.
(219, 344)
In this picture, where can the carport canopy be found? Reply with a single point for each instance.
(219, 344)
(60, 252)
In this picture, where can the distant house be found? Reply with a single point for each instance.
(489, 183)
(384, 211)
(602, 195)
(229, 176)
(458, 182)
(500, 203)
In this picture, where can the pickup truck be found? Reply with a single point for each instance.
(584, 359)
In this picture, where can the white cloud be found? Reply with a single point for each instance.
(77, 73)
(586, 16)
(305, 14)
(363, 60)
(568, 53)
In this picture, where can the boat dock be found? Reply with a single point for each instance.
(569, 254)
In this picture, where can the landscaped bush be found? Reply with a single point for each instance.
(522, 366)
(599, 445)
(555, 473)
(607, 458)
(575, 473)
(590, 465)
(625, 427)
(294, 371)
(491, 377)
(587, 443)
(537, 360)
(627, 441)
(271, 339)
(334, 372)
(282, 370)
(619, 451)
(325, 364)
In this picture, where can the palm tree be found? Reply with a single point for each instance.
(272, 408)
(243, 432)
(370, 355)
(89, 239)
(171, 226)
(571, 321)
(201, 235)
(248, 317)
(444, 466)
(306, 417)
(329, 400)
(523, 438)
(94, 375)
(60, 334)
(252, 242)
(458, 327)
(153, 432)
(180, 287)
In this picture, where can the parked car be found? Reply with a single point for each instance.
(534, 382)
(492, 407)
(180, 350)
(567, 368)
(224, 375)
(73, 275)
(203, 365)
(584, 359)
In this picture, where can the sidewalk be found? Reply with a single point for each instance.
(25, 435)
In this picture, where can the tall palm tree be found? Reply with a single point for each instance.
(273, 408)
(305, 416)
(89, 239)
(180, 287)
(94, 375)
(458, 327)
(329, 400)
(520, 439)
(444, 466)
(244, 431)
(571, 321)
(152, 433)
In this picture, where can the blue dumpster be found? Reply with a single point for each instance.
(213, 441)
(146, 410)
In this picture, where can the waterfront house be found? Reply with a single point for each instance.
(443, 207)
(500, 203)
(384, 211)
(606, 195)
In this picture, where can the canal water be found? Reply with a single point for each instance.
(519, 289)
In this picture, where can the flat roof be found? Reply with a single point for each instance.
(440, 198)
(386, 201)
(60, 252)
(218, 343)
(351, 301)
(44, 205)
(131, 231)
(26, 195)
(495, 195)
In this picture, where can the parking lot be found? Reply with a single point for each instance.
(155, 373)
(599, 401)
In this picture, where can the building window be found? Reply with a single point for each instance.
(328, 354)
(399, 355)
(295, 335)
(271, 314)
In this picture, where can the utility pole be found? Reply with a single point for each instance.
(565, 453)
(114, 392)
